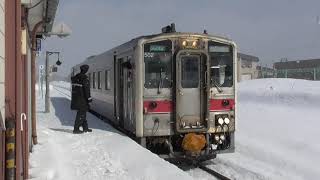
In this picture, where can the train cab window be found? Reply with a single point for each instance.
(90, 80)
(99, 80)
(107, 80)
(221, 64)
(94, 80)
(158, 63)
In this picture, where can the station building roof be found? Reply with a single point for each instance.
(247, 57)
(298, 64)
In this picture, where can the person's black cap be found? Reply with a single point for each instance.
(84, 68)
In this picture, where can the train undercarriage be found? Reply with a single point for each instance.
(190, 147)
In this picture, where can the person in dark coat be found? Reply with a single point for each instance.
(80, 99)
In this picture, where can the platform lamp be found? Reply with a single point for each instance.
(61, 30)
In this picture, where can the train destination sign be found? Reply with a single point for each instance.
(157, 48)
(219, 49)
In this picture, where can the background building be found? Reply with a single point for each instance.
(265, 72)
(301, 69)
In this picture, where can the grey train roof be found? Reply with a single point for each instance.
(134, 41)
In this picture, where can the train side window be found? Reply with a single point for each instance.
(99, 80)
(94, 80)
(107, 80)
(90, 80)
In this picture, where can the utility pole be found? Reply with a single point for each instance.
(47, 97)
(47, 106)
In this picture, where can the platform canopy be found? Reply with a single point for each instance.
(41, 10)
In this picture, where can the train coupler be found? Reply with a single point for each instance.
(193, 143)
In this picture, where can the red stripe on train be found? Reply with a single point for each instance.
(165, 106)
(221, 104)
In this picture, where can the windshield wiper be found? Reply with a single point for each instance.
(160, 82)
(217, 85)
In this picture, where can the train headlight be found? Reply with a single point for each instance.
(226, 120)
(220, 121)
(184, 43)
(222, 137)
(194, 43)
(216, 137)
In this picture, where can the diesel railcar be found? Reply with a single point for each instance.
(174, 92)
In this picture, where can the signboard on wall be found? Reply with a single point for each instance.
(38, 44)
(54, 69)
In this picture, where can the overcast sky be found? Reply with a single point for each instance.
(269, 29)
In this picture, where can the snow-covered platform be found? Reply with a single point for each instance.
(277, 138)
(103, 154)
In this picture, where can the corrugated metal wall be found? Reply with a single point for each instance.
(2, 93)
(14, 87)
(2, 57)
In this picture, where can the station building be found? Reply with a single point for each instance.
(21, 22)
(248, 67)
(265, 72)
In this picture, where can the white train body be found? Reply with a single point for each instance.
(159, 88)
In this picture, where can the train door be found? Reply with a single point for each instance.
(128, 94)
(124, 83)
(123, 92)
(119, 78)
(191, 92)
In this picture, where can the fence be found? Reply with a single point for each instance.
(308, 74)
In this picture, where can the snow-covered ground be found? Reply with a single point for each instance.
(276, 138)
(277, 132)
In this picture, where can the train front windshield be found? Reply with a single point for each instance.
(221, 64)
(158, 60)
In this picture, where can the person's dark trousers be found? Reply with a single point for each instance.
(81, 120)
(85, 125)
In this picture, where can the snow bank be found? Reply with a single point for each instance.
(277, 131)
(62, 84)
(291, 92)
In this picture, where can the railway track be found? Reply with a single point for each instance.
(56, 88)
(213, 172)
(200, 166)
